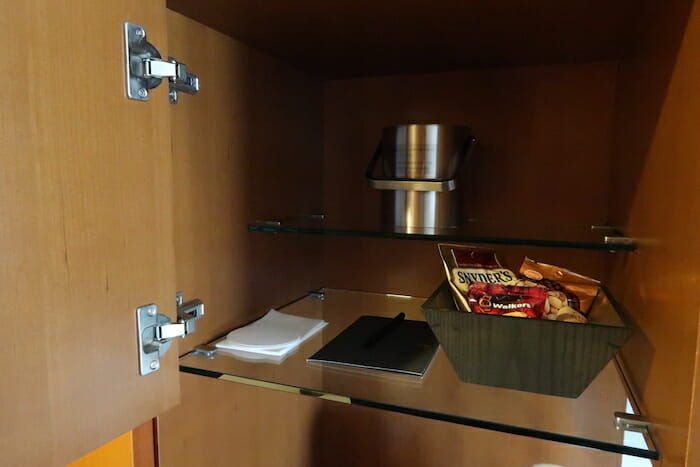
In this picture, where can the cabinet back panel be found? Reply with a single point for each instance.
(543, 155)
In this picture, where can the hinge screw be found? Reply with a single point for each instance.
(151, 312)
(154, 365)
(143, 92)
(140, 33)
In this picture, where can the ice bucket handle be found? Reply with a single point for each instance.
(414, 184)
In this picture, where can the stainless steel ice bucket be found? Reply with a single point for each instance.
(416, 166)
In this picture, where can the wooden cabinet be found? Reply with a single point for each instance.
(585, 114)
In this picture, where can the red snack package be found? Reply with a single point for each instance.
(466, 264)
(507, 300)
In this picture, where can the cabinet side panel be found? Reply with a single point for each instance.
(656, 198)
(246, 148)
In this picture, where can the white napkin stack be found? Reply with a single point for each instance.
(271, 338)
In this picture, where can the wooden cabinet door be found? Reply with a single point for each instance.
(85, 229)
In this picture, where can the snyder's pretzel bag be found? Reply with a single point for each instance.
(465, 265)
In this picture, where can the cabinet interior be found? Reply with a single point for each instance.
(564, 99)
(364, 38)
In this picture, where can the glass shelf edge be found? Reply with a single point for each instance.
(261, 227)
(465, 421)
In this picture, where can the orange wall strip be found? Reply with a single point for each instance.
(117, 453)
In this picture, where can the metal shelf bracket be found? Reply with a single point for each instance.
(631, 422)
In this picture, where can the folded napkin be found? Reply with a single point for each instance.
(272, 337)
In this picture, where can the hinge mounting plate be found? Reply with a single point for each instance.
(150, 339)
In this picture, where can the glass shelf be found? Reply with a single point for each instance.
(586, 421)
(585, 237)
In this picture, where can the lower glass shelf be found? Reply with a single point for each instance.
(587, 421)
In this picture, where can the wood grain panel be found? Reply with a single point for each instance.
(543, 154)
(145, 444)
(361, 37)
(367, 437)
(86, 231)
(247, 147)
(656, 134)
(292, 430)
(224, 424)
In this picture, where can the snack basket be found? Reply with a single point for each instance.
(548, 357)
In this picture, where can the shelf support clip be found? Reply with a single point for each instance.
(631, 422)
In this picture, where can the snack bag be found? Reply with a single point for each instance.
(480, 284)
(465, 265)
(567, 289)
(507, 300)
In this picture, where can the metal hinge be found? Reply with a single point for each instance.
(156, 331)
(188, 313)
(145, 68)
